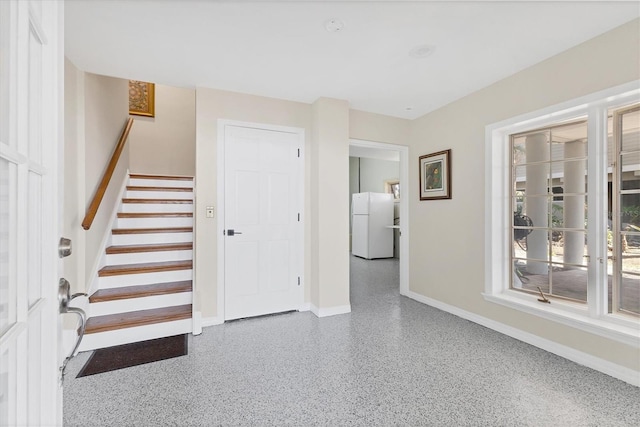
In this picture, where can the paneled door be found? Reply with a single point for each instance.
(30, 81)
(262, 222)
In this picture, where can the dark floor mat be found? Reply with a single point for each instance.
(139, 353)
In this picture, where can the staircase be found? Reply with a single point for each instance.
(145, 289)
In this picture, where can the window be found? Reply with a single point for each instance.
(624, 215)
(393, 187)
(550, 251)
(563, 213)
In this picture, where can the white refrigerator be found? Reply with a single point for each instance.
(372, 216)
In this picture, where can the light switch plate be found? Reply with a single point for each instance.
(209, 211)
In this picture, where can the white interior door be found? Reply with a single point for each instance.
(30, 60)
(262, 207)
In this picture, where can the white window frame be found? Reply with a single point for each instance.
(591, 317)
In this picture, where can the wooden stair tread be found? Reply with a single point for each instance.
(137, 318)
(143, 188)
(152, 247)
(161, 177)
(140, 291)
(160, 201)
(147, 267)
(154, 214)
(152, 230)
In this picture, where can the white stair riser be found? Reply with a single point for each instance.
(141, 257)
(140, 182)
(118, 281)
(136, 304)
(157, 207)
(155, 222)
(146, 194)
(150, 238)
(139, 333)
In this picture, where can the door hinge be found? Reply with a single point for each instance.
(298, 152)
(298, 216)
(298, 280)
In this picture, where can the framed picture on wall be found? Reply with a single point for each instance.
(435, 175)
(142, 98)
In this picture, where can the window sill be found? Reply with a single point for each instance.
(619, 329)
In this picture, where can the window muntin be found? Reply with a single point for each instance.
(624, 215)
(549, 199)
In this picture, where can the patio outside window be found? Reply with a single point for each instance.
(550, 200)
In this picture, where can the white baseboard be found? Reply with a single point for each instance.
(620, 372)
(305, 307)
(197, 322)
(330, 311)
(214, 321)
(211, 321)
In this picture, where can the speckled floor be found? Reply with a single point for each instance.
(392, 361)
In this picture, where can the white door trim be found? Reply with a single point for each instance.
(404, 203)
(220, 174)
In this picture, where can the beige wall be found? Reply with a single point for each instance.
(212, 105)
(73, 208)
(452, 270)
(166, 144)
(378, 128)
(96, 109)
(374, 173)
(330, 203)
(106, 110)
(354, 176)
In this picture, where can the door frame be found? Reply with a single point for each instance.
(220, 188)
(403, 150)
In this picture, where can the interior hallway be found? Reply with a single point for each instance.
(392, 361)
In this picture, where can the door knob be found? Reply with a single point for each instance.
(232, 232)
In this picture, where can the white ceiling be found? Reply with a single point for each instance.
(282, 50)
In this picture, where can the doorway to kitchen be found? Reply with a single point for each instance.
(381, 168)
